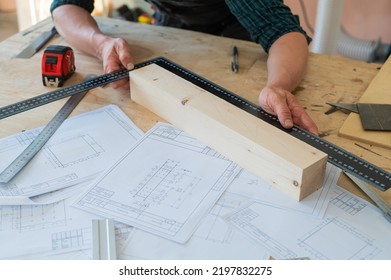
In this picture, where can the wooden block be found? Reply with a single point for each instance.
(379, 91)
(283, 161)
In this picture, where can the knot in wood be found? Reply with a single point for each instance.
(184, 100)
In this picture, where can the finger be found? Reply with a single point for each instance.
(275, 102)
(124, 83)
(111, 65)
(283, 114)
(125, 58)
(119, 55)
(307, 123)
(302, 119)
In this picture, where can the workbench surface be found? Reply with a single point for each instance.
(328, 79)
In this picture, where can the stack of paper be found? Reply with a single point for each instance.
(172, 198)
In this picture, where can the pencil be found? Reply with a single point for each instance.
(235, 63)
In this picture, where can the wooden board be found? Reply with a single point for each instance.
(283, 161)
(379, 91)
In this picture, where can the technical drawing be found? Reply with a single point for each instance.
(176, 136)
(13, 190)
(335, 232)
(214, 228)
(175, 186)
(19, 142)
(84, 148)
(328, 238)
(347, 202)
(72, 239)
(32, 218)
(243, 220)
(78, 151)
(168, 184)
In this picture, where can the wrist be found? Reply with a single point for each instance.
(97, 42)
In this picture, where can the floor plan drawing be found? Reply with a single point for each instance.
(346, 202)
(69, 239)
(213, 239)
(43, 229)
(81, 148)
(167, 194)
(165, 184)
(339, 235)
(216, 238)
(358, 246)
(45, 224)
(30, 218)
(86, 148)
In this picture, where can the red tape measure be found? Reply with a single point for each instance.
(58, 64)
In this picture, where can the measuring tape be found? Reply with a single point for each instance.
(337, 156)
(36, 145)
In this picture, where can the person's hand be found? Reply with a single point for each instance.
(115, 54)
(283, 104)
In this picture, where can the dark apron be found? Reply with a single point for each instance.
(208, 16)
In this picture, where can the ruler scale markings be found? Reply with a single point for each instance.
(61, 93)
(337, 156)
(36, 145)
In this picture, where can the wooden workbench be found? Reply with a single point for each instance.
(328, 79)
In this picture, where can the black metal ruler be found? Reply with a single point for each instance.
(348, 162)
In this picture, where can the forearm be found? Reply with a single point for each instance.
(79, 29)
(287, 61)
(286, 64)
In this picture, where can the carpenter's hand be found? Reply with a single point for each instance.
(115, 54)
(283, 104)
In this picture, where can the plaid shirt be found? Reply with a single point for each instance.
(265, 20)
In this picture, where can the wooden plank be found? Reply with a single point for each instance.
(379, 91)
(292, 166)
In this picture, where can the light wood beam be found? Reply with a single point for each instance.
(283, 161)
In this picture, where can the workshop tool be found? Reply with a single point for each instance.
(37, 44)
(383, 206)
(103, 240)
(36, 145)
(58, 64)
(235, 61)
(372, 116)
(337, 156)
(378, 92)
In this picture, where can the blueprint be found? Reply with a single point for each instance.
(46, 198)
(215, 238)
(351, 229)
(43, 229)
(172, 198)
(36, 219)
(166, 184)
(81, 148)
(49, 231)
(250, 186)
